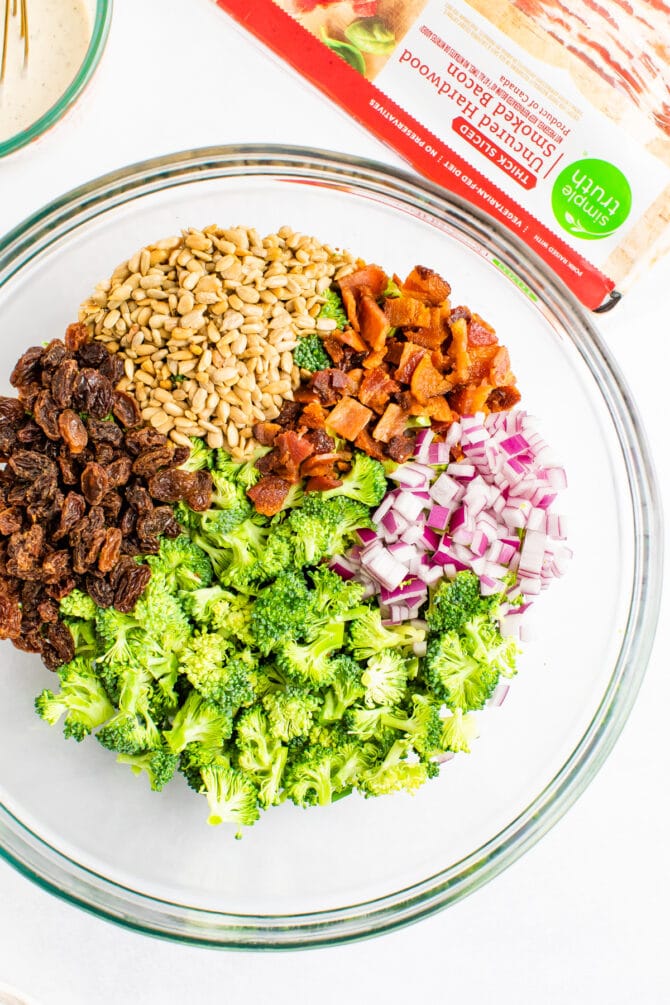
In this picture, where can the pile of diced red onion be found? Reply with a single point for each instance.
(491, 512)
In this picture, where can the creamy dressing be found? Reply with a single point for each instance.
(59, 33)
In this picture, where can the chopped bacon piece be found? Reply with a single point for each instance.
(321, 465)
(500, 373)
(406, 312)
(375, 358)
(408, 362)
(289, 452)
(321, 441)
(480, 362)
(394, 351)
(479, 332)
(265, 432)
(305, 395)
(349, 337)
(400, 448)
(438, 408)
(502, 398)
(366, 442)
(288, 414)
(348, 418)
(434, 334)
(323, 383)
(370, 279)
(374, 325)
(427, 381)
(376, 389)
(321, 483)
(334, 349)
(425, 284)
(268, 494)
(469, 398)
(458, 351)
(354, 378)
(313, 416)
(392, 423)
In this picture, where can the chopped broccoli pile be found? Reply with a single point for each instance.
(260, 675)
(309, 354)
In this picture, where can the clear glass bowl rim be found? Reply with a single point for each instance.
(99, 33)
(63, 876)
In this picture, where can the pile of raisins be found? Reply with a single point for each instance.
(79, 490)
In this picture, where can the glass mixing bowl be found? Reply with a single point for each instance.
(100, 17)
(88, 830)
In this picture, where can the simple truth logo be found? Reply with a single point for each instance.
(591, 198)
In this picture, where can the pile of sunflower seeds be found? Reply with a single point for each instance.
(207, 322)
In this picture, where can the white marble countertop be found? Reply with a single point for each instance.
(581, 918)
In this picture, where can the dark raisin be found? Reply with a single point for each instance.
(48, 611)
(92, 354)
(170, 485)
(145, 438)
(11, 520)
(28, 368)
(199, 493)
(119, 471)
(46, 415)
(54, 354)
(29, 464)
(28, 395)
(93, 393)
(10, 617)
(62, 383)
(104, 432)
(73, 431)
(125, 409)
(68, 468)
(112, 369)
(181, 455)
(76, 336)
(30, 434)
(152, 525)
(58, 645)
(56, 566)
(7, 439)
(151, 461)
(11, 411)
(28, 542)
(29, 642)
(111, 549)
(111, 506)
(94, 483)
(99, 591)
(128, 523)
(60, 590)
(139, 498)
(130, 583)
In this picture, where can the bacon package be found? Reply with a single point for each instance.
(553, 118)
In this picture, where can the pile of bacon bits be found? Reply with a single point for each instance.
(78, 491)
(399, 358)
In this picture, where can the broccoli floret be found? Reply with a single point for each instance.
(366, 723)
(365, 482)
(369, 636)
(333, 308)
(236, 553)
(325, 527)
(114, 631)
(455, 676)
(458, 731)
(198, 721)
(395, 773)
(221, 676)
(261, 756)
(454, 602)
(290, 712)
(311, 662)
(243, 473)
(280, 611)
(85, 640)
(181, 564)
(423, 728)
(335, 599)
(200, 457)
(309, 354)
(309, 778)
(128, 733)
(231, 796)
(201, 604)
(78, 605)
(195, 757)
(385, 678)
(159, 765)
(482, 638)
(82, 699)
(345, 690)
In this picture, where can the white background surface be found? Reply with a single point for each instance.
(579, 919)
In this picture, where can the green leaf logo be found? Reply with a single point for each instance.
(591, 199)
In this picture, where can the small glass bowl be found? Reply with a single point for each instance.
(89, 831)
(100, 12)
